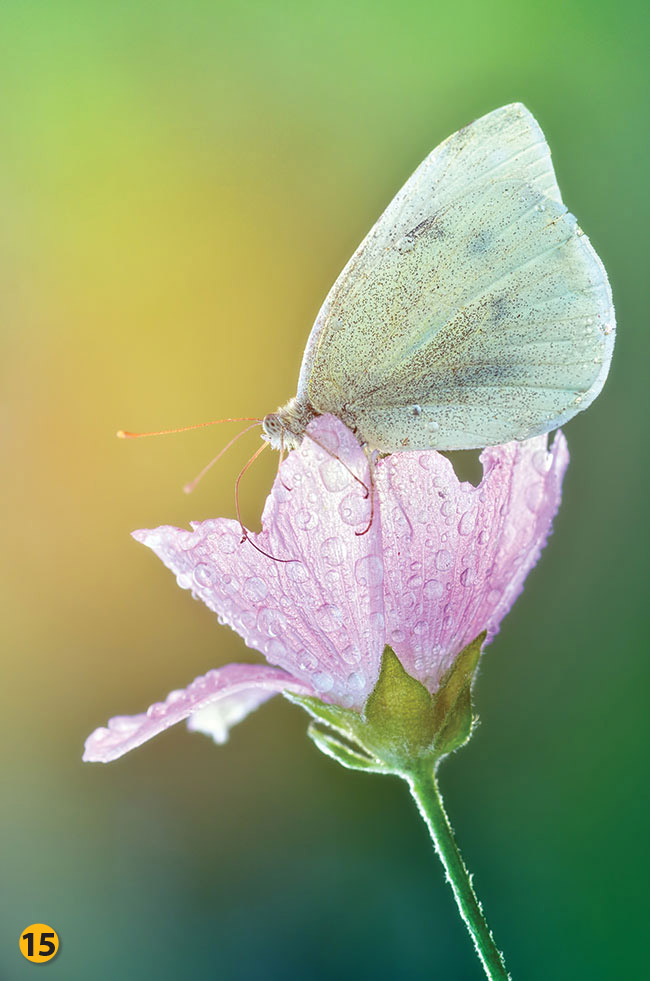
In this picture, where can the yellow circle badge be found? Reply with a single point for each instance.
(38, 943)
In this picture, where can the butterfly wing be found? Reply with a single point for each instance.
(474, 312)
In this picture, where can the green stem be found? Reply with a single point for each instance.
(427, 797)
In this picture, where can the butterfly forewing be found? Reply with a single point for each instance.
(475, 311)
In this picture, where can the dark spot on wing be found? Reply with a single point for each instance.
(480, 242)
(499, 307)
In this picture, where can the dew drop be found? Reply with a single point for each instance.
(307, 661)
(271, 622)
(377, 622)
(276, 651)
(402, 524)
(351, 655)
(334, 475)
(175, 696)
(203, 574)
(354, 509)
(305, 520)
(416, 410)
(432, 589)
(333, 551)
(467, 523)
(227, 544)
(254, 589)
(156, 711)
(296, 571)
(329, 617)
(356, 680)
(322, 681)
(443, 560)
(466, 577)
(369, 571)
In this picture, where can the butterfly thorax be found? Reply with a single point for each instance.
(284, 429)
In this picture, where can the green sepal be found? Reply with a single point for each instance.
(399, 713)
(452, 702)
(344, 754)
(346, 721)
(402, 724)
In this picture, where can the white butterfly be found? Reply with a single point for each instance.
(474, 312)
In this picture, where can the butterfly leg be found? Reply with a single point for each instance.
(371, 478)
(281, 458)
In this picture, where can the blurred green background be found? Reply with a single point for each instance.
(180, 183)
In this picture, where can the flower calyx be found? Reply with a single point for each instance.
(403, 724)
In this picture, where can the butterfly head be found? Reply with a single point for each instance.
(284, 429)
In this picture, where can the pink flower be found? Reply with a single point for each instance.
(441, 562)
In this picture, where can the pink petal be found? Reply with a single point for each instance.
(319, 615)
(456, 556)
(213, 702)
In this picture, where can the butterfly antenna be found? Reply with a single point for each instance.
(342, 462)
(244, 529)
(188, 488)
(123, 434)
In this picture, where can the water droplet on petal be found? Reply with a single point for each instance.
(296, 571)
(307, 661)
(467, 523)
(402, 524)
(432, 589)
(304, 519)
(329, 617)
(227, 543)
(356, 680)
(203, 574)
(333, 551)
(334, 475)
(377, 621)
(443, 560)
(369, 571)
(354, 508)
(271, 622)
(156, 711)
(254, 589)
(466, 577)
(276, 651)
(322, 681)
(351, 655)
(175, 696)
